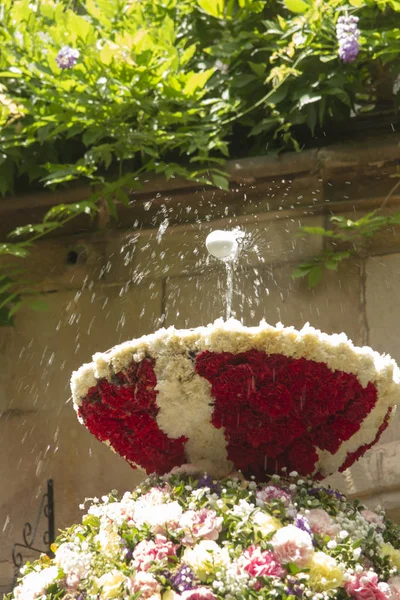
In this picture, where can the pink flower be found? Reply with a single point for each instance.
(145, 583)
(293, 545)
(321, 523)
(373, 517)
(366, 586)
(200, 524)
(261, 564)
(148, 551)
(200, 593)
(394, 586)
(272, 492)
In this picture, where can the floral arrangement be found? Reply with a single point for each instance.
(187, 536)
(229, 397)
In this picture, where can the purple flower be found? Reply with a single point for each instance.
(207, 481)
(302, 523)
(67, 57)
(294, 589)
(347, 34)
(328, 491)
(183, 579)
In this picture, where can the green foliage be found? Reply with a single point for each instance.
(347, 238)
(172, 88)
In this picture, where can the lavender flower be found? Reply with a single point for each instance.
(183, 579)
(303, 524)
(328, 491)
(207, 481)
(294, 589)
(347, 34)
(67, 57)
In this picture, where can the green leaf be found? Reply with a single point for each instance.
(220, 181)
(297, 6)
(314, 277)
(14, 249)
(302, 270)
(215, 8)
(356, 3)
(39, 228)
(314, 231)
(187, 54)
(197, 81)
(258, 68)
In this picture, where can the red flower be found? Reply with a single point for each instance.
(268, 403)
(261, 564)
(123, 413)
(275, 411)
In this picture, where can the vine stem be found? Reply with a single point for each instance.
(264, 98)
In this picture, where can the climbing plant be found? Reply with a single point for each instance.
(104, 91)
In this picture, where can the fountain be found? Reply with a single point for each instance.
(236, 427)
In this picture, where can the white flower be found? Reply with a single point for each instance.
(75, 564)
(167, 514)
(35, 584)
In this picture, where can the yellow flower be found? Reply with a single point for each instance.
(110, 584)
(265, 523)
(392, 554)
(325, 573)
(205, 557)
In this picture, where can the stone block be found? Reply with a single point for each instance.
(271, 293)
(383, 303)
(374, 478)
(37, 446)
(43, 351)
(62, 263)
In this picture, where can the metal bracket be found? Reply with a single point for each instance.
(46, 509)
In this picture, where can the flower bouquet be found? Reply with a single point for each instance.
(191, 537)
(281, 407)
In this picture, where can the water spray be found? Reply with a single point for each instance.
(225, 246)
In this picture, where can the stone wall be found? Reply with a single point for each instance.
(113, 281)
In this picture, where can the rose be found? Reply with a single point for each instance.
(325, 573)
(394, 587)
(265, 523)
(293, 545)
(373, 517)
(110, 584)
(148, 551)
(321, 523)
(260, 564)
(199, 524)
(146, 584)
(204, 557)
(365, 586)
(272, 492)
